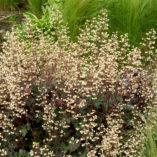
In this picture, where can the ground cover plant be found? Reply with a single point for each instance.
(59, 98)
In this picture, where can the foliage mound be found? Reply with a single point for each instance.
(59, 98)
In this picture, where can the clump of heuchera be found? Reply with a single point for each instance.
(72, 99)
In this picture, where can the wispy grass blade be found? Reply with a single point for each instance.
(36, 6)
(150, 143)
(76, 12)
(134, 17)
(8, 4)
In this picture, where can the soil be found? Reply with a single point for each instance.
(6, 23)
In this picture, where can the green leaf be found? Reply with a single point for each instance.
(68, 120)
(30, 15)
(84, 154)
(99, 101)
(24, 129)
(63, 146)
(70, 147)
(129, 107)
(21, 153)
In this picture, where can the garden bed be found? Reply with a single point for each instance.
(70, 86)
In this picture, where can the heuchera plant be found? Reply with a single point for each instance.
(73, 99)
